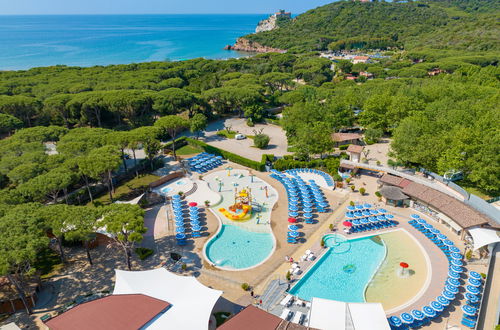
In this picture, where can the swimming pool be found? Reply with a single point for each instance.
(237, 248)
(344, 271)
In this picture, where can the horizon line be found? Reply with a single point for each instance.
(131, 14)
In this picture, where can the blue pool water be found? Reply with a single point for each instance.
(237, 248)
(166, 190)
(343, 271)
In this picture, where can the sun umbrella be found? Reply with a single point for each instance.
(294, 199)
(442, 300)
(193, 208)
(323, 204)
(349, 215)
(359, 207)
(421, 221)
(351, 208)
(308, 210)
(193, 204)
(365, 221)
(472, 298)
(474, 282)
(373, 219)
(469, 310)
(347, 224)
(381, 218)
(448, 295)
(290, 202)
(429, 312)
(438, 307)
(453, 282)
(293, 227)
(452, 289)
(179, 223)
(448, 242)
(367, 205)
(415, 216)
(366, 213)
(196, 228)
(382, 210)
(454, 275)
(293, 233)
(428, 225)
(472, 289)
(407, 318)
(308, 205)
(176, 197)
(455, 262)
(454, 249)
(292, 220)
(293, 214)
(457, 256)
(179, 230)
(194, 223)
(442, 237)
(418, 315)
(374, 212)
(180, 236)
(475, 275)
(356, 222)
(389, 216)
(293, 208)
(435, 231)
(308, 215)
(395, 321)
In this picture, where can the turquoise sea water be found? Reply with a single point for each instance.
(31, 41)
(343, 271)
(237, 248)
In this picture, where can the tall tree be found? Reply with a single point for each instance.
(126, 223)
(49, 184)
(172, 125)
(197, 124)
(21, 238)
(82, 225)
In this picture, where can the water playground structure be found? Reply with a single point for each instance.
(242, 207)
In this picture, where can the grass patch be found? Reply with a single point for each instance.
(472, 189)
(225, 133)
(127, 189)
(187, 150)
(48, 263)
(221, 317)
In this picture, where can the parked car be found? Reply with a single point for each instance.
(240, 137)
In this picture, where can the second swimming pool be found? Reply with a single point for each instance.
(344, 271)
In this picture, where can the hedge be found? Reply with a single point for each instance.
(343, 147)
(179, 143)
(329, 165)
(259, 166)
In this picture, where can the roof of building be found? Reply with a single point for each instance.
(252, 318)
(128, 311)
(394, 180)
(393, 193)
(361, 57)
(355, 148)
(340, 137)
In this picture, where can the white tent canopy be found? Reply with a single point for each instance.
(191, 301)
(483, 236)
(335, 315)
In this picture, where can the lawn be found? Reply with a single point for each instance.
(470, 188)
(225, 133)
(128, 188)
(187, 150)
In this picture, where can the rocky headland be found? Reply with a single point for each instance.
(245, 45)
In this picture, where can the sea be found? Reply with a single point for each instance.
(88, 40)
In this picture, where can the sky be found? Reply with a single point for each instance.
(61, 7)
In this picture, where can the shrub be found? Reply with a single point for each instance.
(352, 203)
(322, 242)
(261, 141)
(184, 267)
(483, 275)
(207, 203)
(337, 177)
(362, 190)
(143, 253)
(259, 166)
(250, 122)
(344, 147)
(468, 255)
(331, 226)
(245, 286)
(353, 188)
(348, 180)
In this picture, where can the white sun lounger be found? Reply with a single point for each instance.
(286, 314)
(297, 317)
(286, 300)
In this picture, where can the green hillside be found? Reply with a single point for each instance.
(440, 24)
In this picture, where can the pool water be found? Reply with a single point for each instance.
(180, 182)
(166, 190)
(343, 273)
(237, 248)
